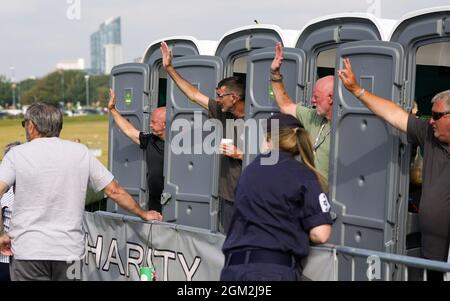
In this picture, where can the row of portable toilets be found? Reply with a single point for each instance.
(369, 160)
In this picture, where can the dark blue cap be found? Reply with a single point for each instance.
(284, 121)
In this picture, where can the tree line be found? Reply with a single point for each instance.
(67, 86)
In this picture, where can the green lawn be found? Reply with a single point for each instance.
(91, 130)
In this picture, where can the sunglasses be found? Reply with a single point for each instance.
(438, 115)
(23, 122)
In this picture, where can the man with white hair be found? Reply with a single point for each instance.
(316, 121)
(433, 137)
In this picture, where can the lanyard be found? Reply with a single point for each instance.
(319, 142)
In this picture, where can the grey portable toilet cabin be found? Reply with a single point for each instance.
(191, 185)
(310, 54)
(139, 88)
(190, 180)
(321, 37)
(425, 38)
(320, 40)
(248, 52)
(370, 159)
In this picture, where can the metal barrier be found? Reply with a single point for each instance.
(401, 263)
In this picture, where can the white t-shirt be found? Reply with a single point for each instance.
(51, 177)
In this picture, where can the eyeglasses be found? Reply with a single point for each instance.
(438, 115)
(23, 122)
(223, 95)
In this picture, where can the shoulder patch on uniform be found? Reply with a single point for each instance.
(324, 204)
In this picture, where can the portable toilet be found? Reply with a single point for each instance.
(425, 38)
(369, 169)
(139, 88)
(191, 175)
(308, 55)
(191, 184)
(321, 37)
(248, 52)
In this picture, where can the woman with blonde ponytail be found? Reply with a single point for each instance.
(279, 209)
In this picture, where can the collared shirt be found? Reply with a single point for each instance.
(230, 168)
(276, 206)
(51, 177)
(319, 129)
(154, 147)
(434, 210)
(6, 206)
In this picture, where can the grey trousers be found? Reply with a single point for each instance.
(43, 270)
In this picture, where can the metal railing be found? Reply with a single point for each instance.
(402, 263)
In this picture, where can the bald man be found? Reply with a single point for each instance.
(316, 121)
(153, 143)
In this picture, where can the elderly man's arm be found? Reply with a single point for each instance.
(187, 88)
(386, 109)
(124, 125)
(116, 192)
(284, 102)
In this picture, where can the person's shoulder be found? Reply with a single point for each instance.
(145, 135)
(305, 114)
(73, 145)
(303, 171)
(418, 125)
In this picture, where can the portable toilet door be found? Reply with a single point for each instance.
(425, 36)
(191, 165)
(247, 52)
(364, 156)
(260, 101)
(130, 83)
(180, 46)
(235, 45)
(140, 88)
(321, 37)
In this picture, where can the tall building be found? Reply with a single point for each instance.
(113, 56)
(106, 47)
(71, 64)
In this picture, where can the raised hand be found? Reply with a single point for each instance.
(278, 59)
(348, 77)
(166, 55)
(112, 100)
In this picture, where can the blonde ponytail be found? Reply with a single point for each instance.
(307, 154)
(297, 141)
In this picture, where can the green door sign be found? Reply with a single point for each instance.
(128, 98)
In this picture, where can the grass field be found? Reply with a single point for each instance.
(91, 130)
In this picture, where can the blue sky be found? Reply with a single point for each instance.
(36, 34)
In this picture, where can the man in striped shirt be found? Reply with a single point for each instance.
(6, 210)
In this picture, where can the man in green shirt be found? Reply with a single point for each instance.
(316, 121)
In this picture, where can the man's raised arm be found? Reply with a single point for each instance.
(386, 109)
(124, 125)
(284, 102)
(187, 88)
